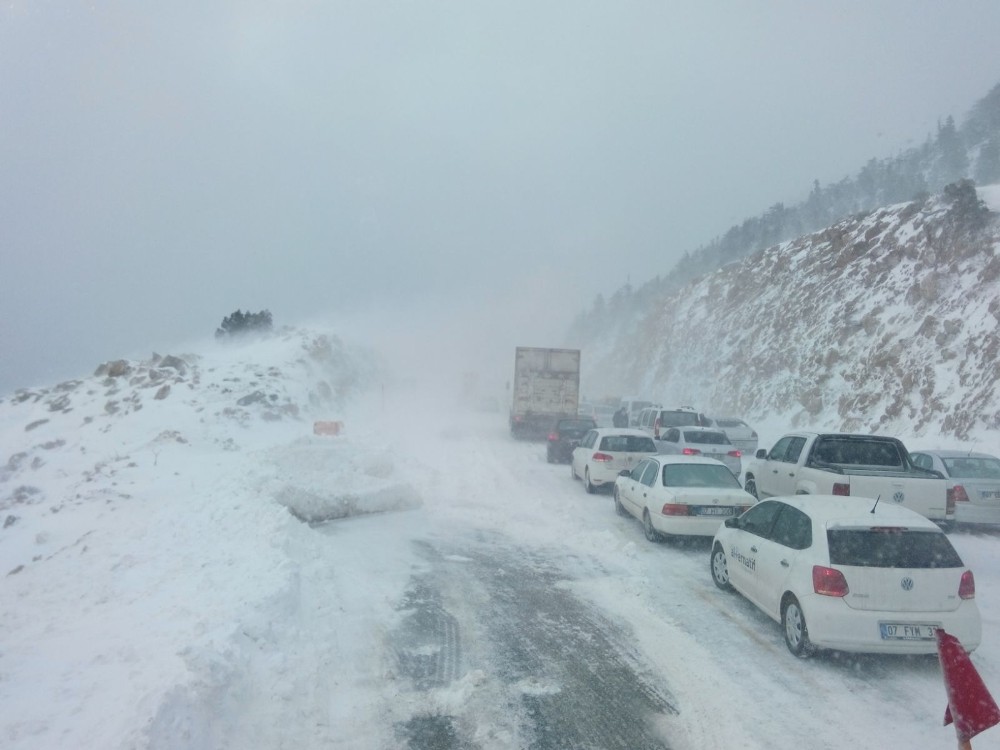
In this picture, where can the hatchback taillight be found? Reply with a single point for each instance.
(691, 452)
(672, 509)
(553, 437)
(841, 488)
(967, 588)
(829, 582)
(602, 457)
(656, 428)
(735, 454)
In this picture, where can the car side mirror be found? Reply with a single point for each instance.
(761, 453)
(624, 473)
(733, 522)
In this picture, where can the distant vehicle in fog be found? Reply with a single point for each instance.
(740, 434)
(546, 388)
(701, 441)
(973, 482)
(602, 414)
(565, 436)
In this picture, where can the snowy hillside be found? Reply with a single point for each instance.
(144, 544)
(886, 322)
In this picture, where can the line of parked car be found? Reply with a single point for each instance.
(837, 572)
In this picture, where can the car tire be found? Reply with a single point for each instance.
(591, 489)
(719, 566)
(793, 623)
(572, 470)
(647, 527)
(619, 508)
(549, 458)
(750, 485)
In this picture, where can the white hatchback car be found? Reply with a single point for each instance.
(680, 495)
(973, 482)
(849, 574)
(604, 453)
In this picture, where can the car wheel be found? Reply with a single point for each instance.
(591, 489)
(647, 527)
(751, 486)
(572, 470)
(619, 508)
(796, 632)
(720, 568)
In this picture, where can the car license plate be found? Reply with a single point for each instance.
(899, 631)
(989, 494)
(713, 510)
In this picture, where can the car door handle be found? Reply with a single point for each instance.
(753, 549)
(784, 563)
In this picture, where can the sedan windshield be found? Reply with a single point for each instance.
(698, 475)
(892, 548)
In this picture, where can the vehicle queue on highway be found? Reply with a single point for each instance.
(836, 569)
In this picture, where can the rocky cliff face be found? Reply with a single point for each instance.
(889, 322)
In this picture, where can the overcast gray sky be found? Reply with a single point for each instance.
(164, 164)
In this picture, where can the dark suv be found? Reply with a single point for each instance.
(565, 435)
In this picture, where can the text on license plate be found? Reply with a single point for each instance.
(897, 631)
(713, 510)
(989, 494)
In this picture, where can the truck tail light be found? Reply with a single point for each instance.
(841, 488)
(829, 581)
(553, 437)
(957, 494)
(735, 454)
(691, 452)
(656, 428)
(967, 588)
(602, 457)
(672, 509)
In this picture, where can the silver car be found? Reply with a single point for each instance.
(973, 482)
(701, 441)
(740, 434)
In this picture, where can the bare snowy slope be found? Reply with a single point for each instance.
(886, 322)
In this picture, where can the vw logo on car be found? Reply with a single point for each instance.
(906, 583)
(898, 497)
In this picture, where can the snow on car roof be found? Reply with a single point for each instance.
(955, 454)
(853, 511)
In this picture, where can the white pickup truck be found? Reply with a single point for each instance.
(809, 463)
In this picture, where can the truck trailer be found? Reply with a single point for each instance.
(546, 388)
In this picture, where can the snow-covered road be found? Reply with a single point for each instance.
(514, 610)
(172, 602)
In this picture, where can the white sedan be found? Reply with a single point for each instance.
(605, 452)
(680, 495)
(849, 574)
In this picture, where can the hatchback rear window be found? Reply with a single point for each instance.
(891, 548)
(628, 444)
